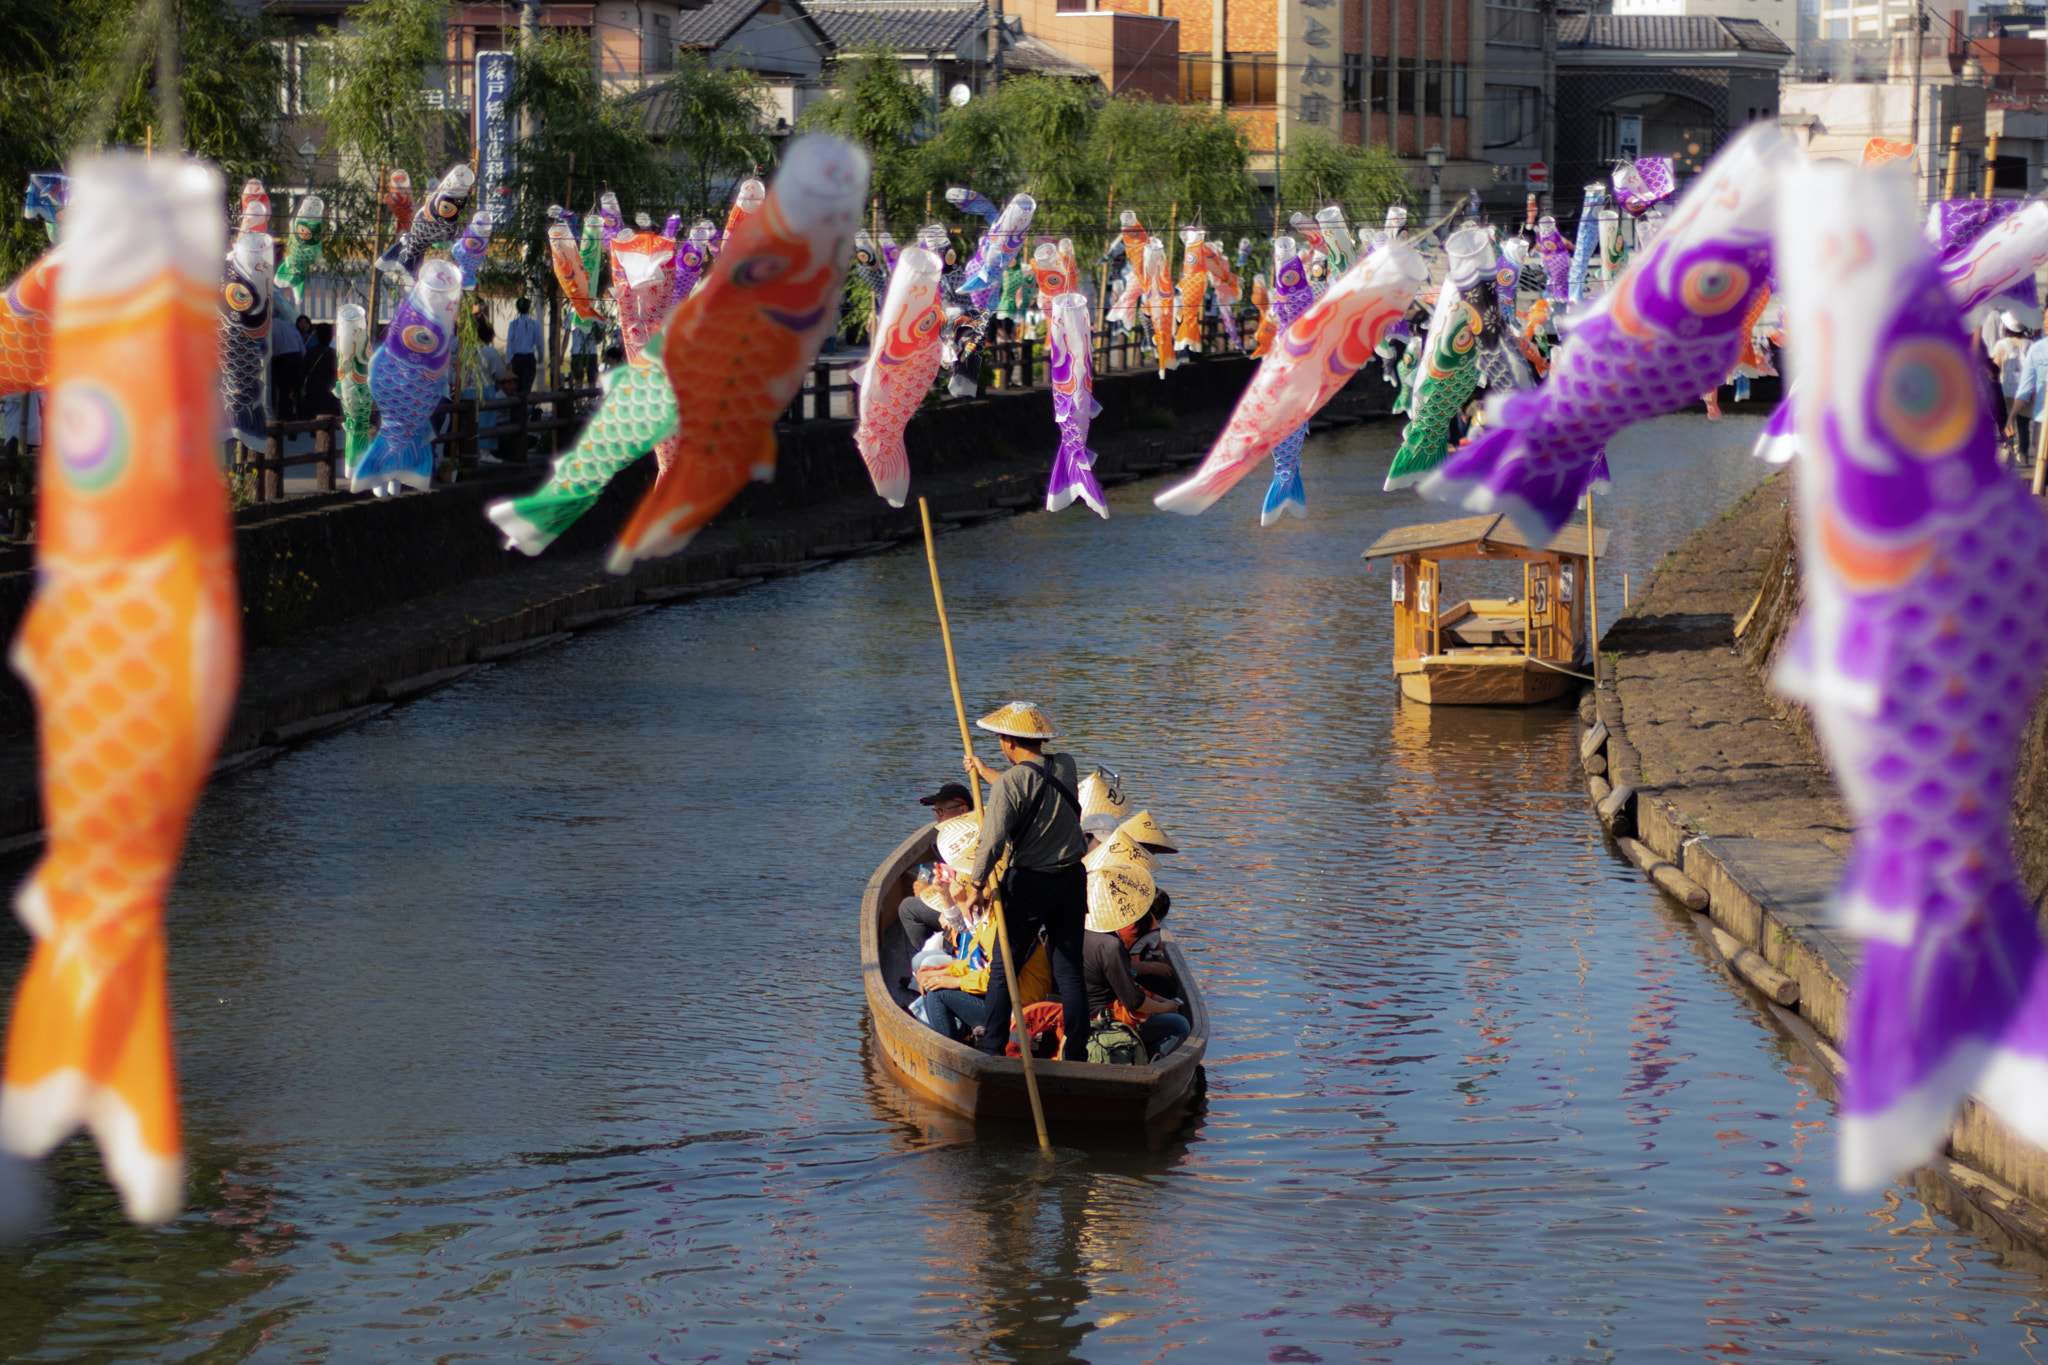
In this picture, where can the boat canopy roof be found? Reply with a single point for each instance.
(1490, 534)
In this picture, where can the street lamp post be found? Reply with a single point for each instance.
(307, 151)
(1434, 158)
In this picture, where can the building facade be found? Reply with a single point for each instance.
(1658, 85)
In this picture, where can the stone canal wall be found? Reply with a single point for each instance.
(1719, 793)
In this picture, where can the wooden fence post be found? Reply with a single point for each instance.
(323, 454)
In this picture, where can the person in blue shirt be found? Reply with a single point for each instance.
(522, 346)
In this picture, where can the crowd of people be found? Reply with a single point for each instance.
(1070, 867)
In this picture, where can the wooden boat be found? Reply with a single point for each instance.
(1488, 652)
(964, 1080)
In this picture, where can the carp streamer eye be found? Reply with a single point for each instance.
(1713, 287)
(757, 270)
(421, 338)
(240, 296)
(91, 429)
(1927, 398)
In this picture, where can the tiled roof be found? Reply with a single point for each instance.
(1036, 55)
(713, 24)
(1667, 33)
(897, 25)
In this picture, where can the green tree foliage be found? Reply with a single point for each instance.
(876, 104)
(379, 119)
(1164, 158)
(59, 61)
(708, 121)
(1316, 169)
(580, 143)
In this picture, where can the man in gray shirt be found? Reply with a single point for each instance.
(1033, 810)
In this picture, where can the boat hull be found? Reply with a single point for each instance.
(964, 1081)
(1515, 681)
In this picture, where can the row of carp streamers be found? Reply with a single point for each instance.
(132, 643)
(928, 315)
(1924, 631)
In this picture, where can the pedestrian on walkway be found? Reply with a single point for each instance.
(287, 357)
(522, 346)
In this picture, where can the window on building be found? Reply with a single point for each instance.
(1194, 79)
(1071, 7)
(1404, 86)
(660, 42)
(1354, 82)
(1251, 78)
(308, 67)
(1458, 88)
(1510, 115)
(1432, 91)
(1838, 28)
(1379, 85)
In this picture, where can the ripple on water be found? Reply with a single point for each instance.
(523, 1022)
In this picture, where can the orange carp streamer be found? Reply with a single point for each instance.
(25, 311)
(1194, 289)
(737, 348)
(132, 649)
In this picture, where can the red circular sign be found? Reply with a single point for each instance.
(1538, 173)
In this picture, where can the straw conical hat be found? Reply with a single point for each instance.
(1120, 849)
(1102, 791)
(1144, 830)
(957, 838)
(1020, 720)
(1118, 895)
(934, 895)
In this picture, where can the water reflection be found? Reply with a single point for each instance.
(524, 1022)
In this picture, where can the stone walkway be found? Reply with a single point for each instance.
(1697, 717)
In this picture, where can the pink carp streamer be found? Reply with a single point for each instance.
(1668, 329)
(1315, 356)
(643, 286)
(1919, 650)
(1068, 337)
(900, 369)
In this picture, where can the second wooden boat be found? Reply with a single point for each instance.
(1510, 651)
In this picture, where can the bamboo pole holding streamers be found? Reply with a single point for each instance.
(924, 511)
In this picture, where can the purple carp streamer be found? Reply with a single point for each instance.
(1669, 328)
(1557, 259)
(1068, 337)
(1286, 495)
(1919, 650)
(1996, 258)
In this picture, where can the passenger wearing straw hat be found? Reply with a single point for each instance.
(1032, 809)
(1119, 895)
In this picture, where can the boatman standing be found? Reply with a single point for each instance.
(1032, 807)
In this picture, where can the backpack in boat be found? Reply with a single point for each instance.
(1112, 1042)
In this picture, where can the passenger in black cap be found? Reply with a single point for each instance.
(947, 802)
(920, 919)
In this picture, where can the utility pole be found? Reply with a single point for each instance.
(1919, 42)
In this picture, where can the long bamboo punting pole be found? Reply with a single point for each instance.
(924, 511)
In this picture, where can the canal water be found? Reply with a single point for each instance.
(525, 1022)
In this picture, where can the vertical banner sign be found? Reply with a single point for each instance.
(493, 130)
